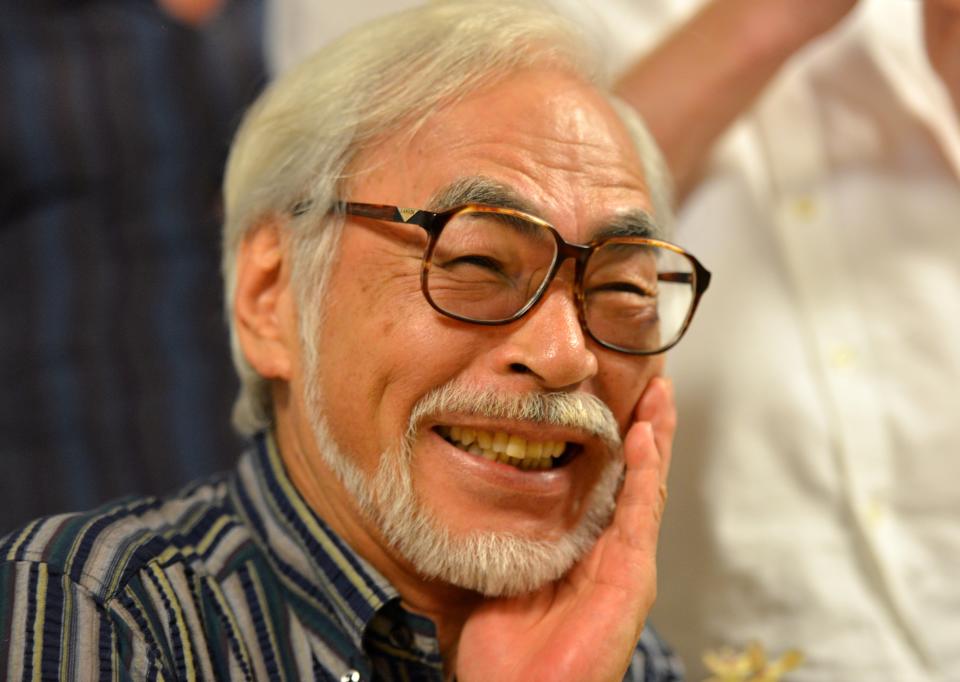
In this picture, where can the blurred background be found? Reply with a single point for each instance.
(816, 151)
(115, 121)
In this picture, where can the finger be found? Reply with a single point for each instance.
(646, 449)
(656, 406)
(643, 495)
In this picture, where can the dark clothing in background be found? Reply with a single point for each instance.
(115, 122)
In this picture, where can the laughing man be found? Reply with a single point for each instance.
(449, 300)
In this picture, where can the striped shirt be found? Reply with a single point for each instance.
(233, 578)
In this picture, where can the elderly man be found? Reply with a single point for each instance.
(449, 300)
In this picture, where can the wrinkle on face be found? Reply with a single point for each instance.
(564, 151)
(567, 168)
(552, 143)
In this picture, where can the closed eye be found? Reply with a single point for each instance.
(475, 267)
(479, 261)
(625, 287)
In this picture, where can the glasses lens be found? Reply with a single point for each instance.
(488, 265)
(637, 296)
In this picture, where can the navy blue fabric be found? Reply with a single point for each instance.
(115, 122)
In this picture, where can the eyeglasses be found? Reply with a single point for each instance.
(489, 265)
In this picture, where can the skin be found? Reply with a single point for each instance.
(714, 66)
(941, 19)
(702, 88)
(192, 12)
(555, 142)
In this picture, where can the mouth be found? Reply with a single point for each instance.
(512, 449)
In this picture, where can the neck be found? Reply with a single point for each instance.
(447, 606)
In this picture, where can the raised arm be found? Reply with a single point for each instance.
(941, 25)
(699, 79)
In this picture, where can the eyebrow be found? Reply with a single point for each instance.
(629, 224)
(478, 190)
(482, 190)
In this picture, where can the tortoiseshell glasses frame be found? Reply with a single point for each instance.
(687, 271)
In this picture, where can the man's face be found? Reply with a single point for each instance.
(553, 142)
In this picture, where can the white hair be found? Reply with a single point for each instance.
(493, 563)
(297, 141)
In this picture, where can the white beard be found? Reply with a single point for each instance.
(489, 562)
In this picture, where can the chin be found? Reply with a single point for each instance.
(495, 564)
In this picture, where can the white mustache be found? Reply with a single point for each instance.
(580, 411)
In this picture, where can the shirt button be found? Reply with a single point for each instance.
(804, 208)
(401, 637)
(843, 357)
(876, 512)
(350, 676)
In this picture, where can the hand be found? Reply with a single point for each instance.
(941, 32)
(584, 627)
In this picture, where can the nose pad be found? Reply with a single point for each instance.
(549, 343)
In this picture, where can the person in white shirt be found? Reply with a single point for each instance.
(816, 148)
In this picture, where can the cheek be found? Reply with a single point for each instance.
(372, 294)
(425, 351)
(621, 380)
(377, 362)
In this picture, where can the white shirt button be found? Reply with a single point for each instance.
(843, 357)
(804, 208)
(875, 512)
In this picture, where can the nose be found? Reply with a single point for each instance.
(548, 344)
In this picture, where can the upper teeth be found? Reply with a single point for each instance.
(505, 447)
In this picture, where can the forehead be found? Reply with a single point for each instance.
(546, 137)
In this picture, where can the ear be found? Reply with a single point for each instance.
(263, 312)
